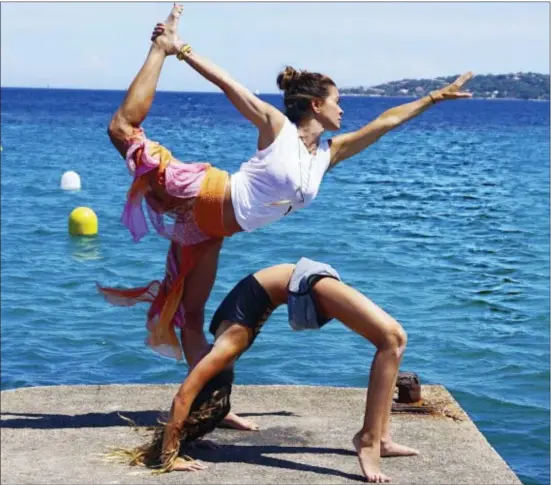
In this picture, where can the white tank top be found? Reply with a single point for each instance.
(277, 180)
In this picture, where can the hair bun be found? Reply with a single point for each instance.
(287, 78)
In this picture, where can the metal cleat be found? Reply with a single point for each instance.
(409, 387)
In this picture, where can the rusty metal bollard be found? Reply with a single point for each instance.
(409, 387)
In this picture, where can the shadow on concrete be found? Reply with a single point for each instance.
(227, 453)
(274, 413)
(94, 420)
(256, 455)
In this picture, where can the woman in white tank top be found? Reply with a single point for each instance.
(284, 174)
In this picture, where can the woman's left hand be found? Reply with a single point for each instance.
(453, 90)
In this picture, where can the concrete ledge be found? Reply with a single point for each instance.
(57, 435)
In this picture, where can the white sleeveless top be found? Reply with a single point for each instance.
(277, 180)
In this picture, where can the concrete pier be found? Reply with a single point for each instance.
(59, 434)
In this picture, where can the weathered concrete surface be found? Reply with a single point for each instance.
(58, 434)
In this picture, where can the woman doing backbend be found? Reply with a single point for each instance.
(314, 294)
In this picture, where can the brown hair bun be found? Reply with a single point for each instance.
(287, 78)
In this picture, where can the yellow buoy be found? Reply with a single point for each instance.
(83, 222)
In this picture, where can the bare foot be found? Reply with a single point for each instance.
(165, 35)
(389, 448)
(182, 465)
(233, 421)
(368, 454)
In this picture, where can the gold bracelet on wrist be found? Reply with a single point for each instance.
(185, 49)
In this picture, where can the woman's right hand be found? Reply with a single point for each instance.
(158, 30)
(453, 90)
(171, 444)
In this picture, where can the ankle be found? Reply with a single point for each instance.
(366, 439)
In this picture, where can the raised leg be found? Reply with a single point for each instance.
(138, 99)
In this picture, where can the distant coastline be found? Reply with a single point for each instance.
(413, 97)
(527, 86)
(514, 86)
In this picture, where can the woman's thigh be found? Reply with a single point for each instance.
(337, 300)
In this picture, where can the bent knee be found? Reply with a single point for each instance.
(396, 339)
(119, 130)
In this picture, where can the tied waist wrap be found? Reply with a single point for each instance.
(142, 182)
(165, 297)
(208, 210)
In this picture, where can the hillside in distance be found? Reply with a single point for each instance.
(520, 85)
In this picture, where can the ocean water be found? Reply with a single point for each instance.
(444, 223)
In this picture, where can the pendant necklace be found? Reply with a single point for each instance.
(301, 189)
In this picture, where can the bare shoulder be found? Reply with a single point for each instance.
(270, 130)
(275, 115)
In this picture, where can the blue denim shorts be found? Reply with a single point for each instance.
(301, 305)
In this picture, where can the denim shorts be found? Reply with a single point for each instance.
(303, 313)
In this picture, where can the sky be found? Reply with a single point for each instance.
(103, 45)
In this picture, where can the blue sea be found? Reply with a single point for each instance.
(443, 222)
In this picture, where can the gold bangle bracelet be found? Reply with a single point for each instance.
(185, 49)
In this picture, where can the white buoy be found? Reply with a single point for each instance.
(70, 181)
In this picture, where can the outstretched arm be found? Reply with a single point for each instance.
(226, 349)
(268, 119)
(348, 144)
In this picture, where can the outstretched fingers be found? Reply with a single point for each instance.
(453, 90)
(182, 465)
(463, 94)
(463, 79)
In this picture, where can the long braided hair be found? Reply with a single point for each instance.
(210, 407)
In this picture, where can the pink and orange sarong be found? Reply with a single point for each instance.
(192, 195)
